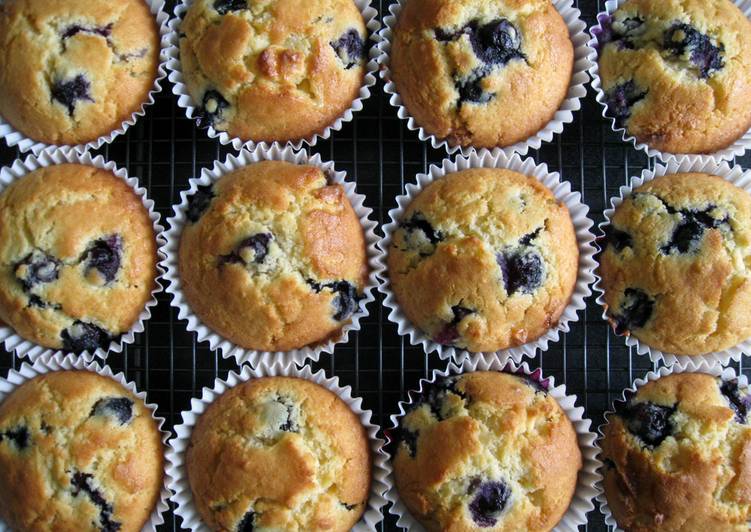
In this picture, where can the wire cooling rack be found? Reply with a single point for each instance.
(164, 149)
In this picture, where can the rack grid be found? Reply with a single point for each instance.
(164, 149)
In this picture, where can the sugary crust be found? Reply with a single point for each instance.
(65, 438)
(61, 210)
(120, 67)
(316, 236)
(314, 476)
(527, 93)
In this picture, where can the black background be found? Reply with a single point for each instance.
(164, 149)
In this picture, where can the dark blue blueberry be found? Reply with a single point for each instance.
(199, 202)
(635, 310)
(82, 483)
(450, 333)
(688, 234)
(489, 501)
(104, 255)
(37, 268)
(738, 403)
(212, 108)
(536, 384)
(19, 436)
(345, 300)
(620, 99)
(350, 48)
(247, 523)
(69, 92)
(704, 55)
(119, 408)
(621, 33)
(103, 31)
(521, 271)
(225, 6)
(407, 437)
(529, 237)
(648, 421)
(258, 243)
(620, 240)
(82, 336)
(418, 222)
(472, 91)
(435, 393)
(497, 42)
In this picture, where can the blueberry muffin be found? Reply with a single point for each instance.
(486, 450)
(74, 70)
(677, 73)
(78, 451)
(484, 259)
(279, 453)
(481, 73)
(272, 256)
(673, 265)
(678, 456)
(272, 70)
(77, 257)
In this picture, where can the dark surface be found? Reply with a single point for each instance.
(165, 149)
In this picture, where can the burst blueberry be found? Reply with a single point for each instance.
(212, 109)
(621, 99)
(417, 223)
(118, 408)
(199, 202)
(68, 92)
(737, 401)
(345, 300)
(635, 311)
(349, 48)
(706, 57)
(522, 271)
(82, 336)
(37, 268)
(497, 42)
(19, 436)
(104, 256)
(225, 6)
(251, 250)
(688, 234)
(488, 503)
(450, 332)
(247, 523)
(75, 29)
(83, 483)
(618, 239)
(471, 91)
(648, 421)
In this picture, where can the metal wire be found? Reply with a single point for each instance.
(165, 149)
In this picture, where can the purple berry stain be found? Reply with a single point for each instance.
(450, 332)
(69, 92)
(620, 99)
(349, 48)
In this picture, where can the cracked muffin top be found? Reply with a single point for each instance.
(279, 453)
(272, 70)
(481, 73)
(484, 259)
(678, 456)
(73, 70)
(675, 264)
(78, 451)
(273, 257)
(677, 73)
(77, 257)
(486, 451)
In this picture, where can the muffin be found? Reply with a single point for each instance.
(279, 453)
(272, 256)
(75, 70)
(678, 456)
(677, 73)
(77, 257)
(481, 74)
(486, 450)
(484, 259)
(273, 70)
(78, 451)
(673, 264)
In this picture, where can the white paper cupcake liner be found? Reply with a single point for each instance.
(735, 175)
(60, 362)
(217, 341)
(589, 477)
(185, 101)
(15, 138)
(689, 366)
(182, 496)
(564, 115)
(584, 237)
(737, 148)
(9, 174)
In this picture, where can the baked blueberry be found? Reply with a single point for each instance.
(738, 403)
(418, 227)
(688, 234)
(450, 333)
(247, 523)
(104, 255)
(225, 6)
(119, 408)
(103, 31)
(37, 268)
(620, 99)
(683, 38)
(489, 501)
(407, 437)
(349, 48)
(345, 302)
(82, 336)
(82, 483)
(199, 202)
(527, 239)
(620, 32)
(648, 421)
(497, 42)
(19, 436)
(435, 394)
(70, 91)
(212, 108)
(290, 424)
(471, 91)
(522, 271)
(635, 310)
(251, 250)
(616, 238)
